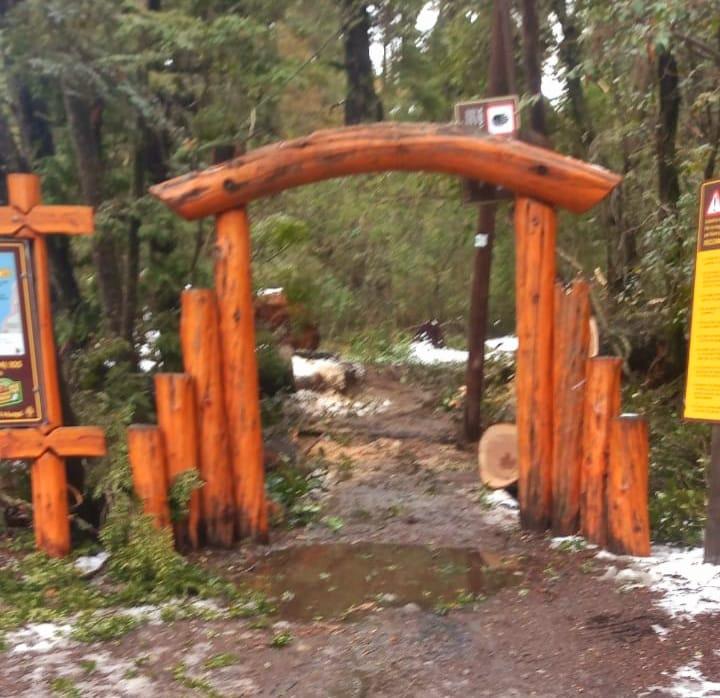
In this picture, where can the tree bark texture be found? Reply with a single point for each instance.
(361, 102)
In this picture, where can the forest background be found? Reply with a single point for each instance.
(103, 98)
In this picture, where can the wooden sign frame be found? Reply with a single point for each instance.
(22, 395)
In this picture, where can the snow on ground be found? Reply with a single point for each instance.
(688, 586)
(689, 682)
(334, 405)
(38, 637)
(423, 352)
(502, 509)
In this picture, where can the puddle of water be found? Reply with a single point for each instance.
(345, 580)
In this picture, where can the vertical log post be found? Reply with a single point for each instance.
(602, 406)
(628, 518)
(202, 356)
(51, 515)
(535, 231)
(571, 346)
(177, 419)
(233, 280)
(146, 452)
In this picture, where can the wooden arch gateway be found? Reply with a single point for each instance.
(227, 395)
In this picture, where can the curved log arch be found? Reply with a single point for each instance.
(451, 149)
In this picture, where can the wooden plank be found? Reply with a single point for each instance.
(628, 518)
(240, 372)
(602, 405)
(202, 357)
(146, 452)
(80, 442)
(535, 231)
(29, 443)
(177, 419)
(452, 149)
(22, 444)
(571, 347)
(69, 220)
(51, 517)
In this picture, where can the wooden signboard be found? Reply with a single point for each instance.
(497, 116)
(702, 389)
(21, 393)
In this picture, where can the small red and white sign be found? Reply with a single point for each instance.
(713, 208)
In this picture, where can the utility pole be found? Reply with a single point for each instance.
(501, 81)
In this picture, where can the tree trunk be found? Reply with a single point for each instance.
(361, 102)
(669, 112)
(84, 129)
(532, 54)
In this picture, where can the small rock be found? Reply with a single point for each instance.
(410, 608)
(387, 599)
(281, 625)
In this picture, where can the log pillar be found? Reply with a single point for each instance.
(202, 357)
(146, 453)
(571, 346)
(628, 518)
(535, 232)
(177, 419)
(233, 282)
(602, 405)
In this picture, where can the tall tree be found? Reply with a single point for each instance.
(361, 101)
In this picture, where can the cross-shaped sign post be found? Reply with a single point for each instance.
(30, 406)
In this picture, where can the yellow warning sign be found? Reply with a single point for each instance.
(702, 388)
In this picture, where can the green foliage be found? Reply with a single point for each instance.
(679, 455)
(94, 627)
(65, 686)
(281, 640)
(291, 487)
(221, 660)
(181, 489)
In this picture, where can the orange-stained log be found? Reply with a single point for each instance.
(453, 149)
(177, 419)
(233, 284)
(602, 406)
(203, 360)
(628, 519)
(571, 346)
(146, 452)
(535, 230)
(51, 518)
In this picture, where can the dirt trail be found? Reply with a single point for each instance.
(557, 630)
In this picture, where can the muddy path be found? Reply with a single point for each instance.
(411, 581)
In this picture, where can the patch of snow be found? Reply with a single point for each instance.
(331, 405)
(501, 498)
(88, 565)
(423, 352)
(501, 345)
(605, 555)
(503, 510)
(426, 354)
(689, 682)
(660, 630)
(688, 586)
(147, 349)
(565, 541)
(38, 637)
